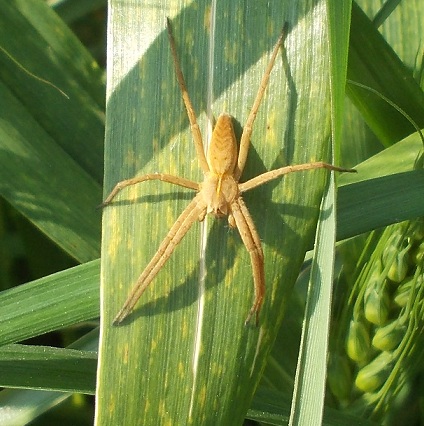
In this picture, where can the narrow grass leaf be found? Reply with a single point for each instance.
(44, 367)
(50, 303)
(309, 390)
(20, 407)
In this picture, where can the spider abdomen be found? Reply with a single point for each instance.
(222, 153)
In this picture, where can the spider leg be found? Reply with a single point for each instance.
(247, 129)
(195, 130)
(273, 174)
(251, 240)
(191, 213)
(186, 183)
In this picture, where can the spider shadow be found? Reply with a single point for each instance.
(187, 293)
(175, 299)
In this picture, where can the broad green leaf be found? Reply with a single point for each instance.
(187, 332)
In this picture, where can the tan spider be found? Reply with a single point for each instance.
(219, 193)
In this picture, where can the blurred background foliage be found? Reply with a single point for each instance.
(26, 253)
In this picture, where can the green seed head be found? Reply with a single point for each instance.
(388, 337)
(358, 342)
(372, 376)
(377, 305)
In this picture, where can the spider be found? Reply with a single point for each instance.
(220, 193)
